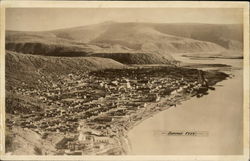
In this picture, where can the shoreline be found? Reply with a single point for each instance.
(163, 107)
(149, 115)
(199, 57)
(222, 86)
(151, 109)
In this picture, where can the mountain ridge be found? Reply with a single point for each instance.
(159, 40)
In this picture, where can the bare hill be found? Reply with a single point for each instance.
(225, 35)
(147, 38)
(27, 62)
(41, 44)
(17, 138)
(220, 34)
(44, 43)
(30, 67)
(83, 33)
(133, 42)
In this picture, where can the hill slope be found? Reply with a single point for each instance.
(225, 35)
(140, 37)
(220, 34)
(126, 41)
(26, 67)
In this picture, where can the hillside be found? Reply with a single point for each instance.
(83, 34)
(26, 67)
(136, 58)
(221, 34)
(229, 36)
(44, 43)
(147, 38)
(41, 44)
(130, 42)
(17, 138)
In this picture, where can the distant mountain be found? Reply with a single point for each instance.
(224, 35)
(216, 33)
(127, 42)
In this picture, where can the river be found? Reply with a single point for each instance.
(219, 114)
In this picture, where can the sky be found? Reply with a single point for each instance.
(41, 19)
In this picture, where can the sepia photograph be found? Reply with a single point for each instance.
(124, 81)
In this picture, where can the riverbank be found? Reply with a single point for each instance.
(111, 102)
(159, 107)
(215, 114)
(194, 57)
(164, 104)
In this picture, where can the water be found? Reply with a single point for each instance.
(219, 114)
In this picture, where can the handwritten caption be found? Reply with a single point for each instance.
(183, 133)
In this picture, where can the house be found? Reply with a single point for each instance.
(102, 139)
(103, 119)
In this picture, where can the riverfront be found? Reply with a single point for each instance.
(90, 113)
(218, 114)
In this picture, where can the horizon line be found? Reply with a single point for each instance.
(111, 21)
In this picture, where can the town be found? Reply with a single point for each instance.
(94, 110)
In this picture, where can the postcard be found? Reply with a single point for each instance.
(110, 80)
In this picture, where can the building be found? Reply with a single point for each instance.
(101, 139)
